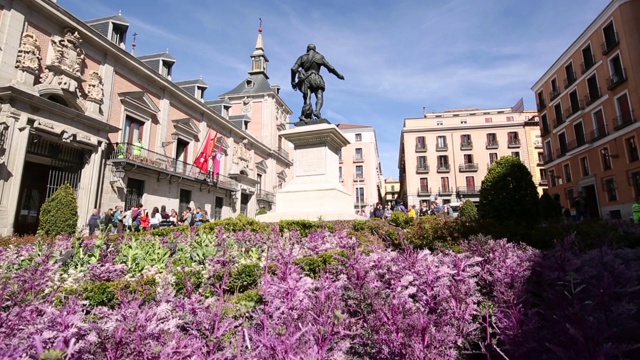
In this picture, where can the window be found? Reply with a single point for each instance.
(465, 141)
(468, 159)
(488, 120)
(393, 188)
(610, 38)
(541, 102)
(555, 90)
(509, 118)
(610, 188)
(259, 184)
(185, 200)
(360, 195)
(441, 143)
(340, 155)
(133, 130)
(358, 155)
(594, 90)
(439, 123)
(493, 157)
(422, 162)
(568, 192)
(340, 174)
(574, 101)
(632, 149)
(557, 109)
(634, 178)
(548, 152)
(545, 123)
(567, 173)
(578, 130)
(540, 157)
(587, 58)
(552, 176)
(584, 166)
(543, 175)
(600, 128)
(358, 137)
(217, 212)
(424, 185)
(166, 69)
(492, 140)
(570, 75)
(471, 184)
(513, 138)
(359, 172)
(421, 144)
(606, 158)
(463, 121)
(118, 35)
(623, 109)
(182, 154)
(134, 192)
(444, 185)
(562, 139)
(443, 162)
(515, 154)
(617, 72)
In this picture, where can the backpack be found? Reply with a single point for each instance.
(135, 216)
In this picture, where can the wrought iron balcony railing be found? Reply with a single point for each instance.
(266, 196)
(468, 190)
(422, 169)
(466, 145)
(421, 147)
(443, 168)
(616, 79)
(424, 191)
(468, 167)
(492, 144)
(570, 80)
(442, 147)
(513, 143)
(610, 43)
(624, 120)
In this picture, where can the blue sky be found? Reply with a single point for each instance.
(398, 57)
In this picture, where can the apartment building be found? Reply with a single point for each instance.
(360, 172)
(445, 155)
(78, 107)
(392, 190)
(586, 101)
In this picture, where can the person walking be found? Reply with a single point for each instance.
(94, 221)
(635, 208)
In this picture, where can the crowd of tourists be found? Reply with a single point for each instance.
(138, 218)
(378, 211)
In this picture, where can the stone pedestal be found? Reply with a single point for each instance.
(315, 191)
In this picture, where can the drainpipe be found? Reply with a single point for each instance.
(455, 174)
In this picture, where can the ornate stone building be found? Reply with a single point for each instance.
(77, 108)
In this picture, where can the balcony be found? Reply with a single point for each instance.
(545, 130)
(424, 191)
(493, 144)
(266, 196)
(445, 191)
(358, 158)
(358, 178)
(610, 44)
(513, 143)
(543, 182)
(466, 145)
(468, 167)
(585, 66)
(622, 121)
(422, 169)
(616, 79)
(537, 144)
(442, 147)
(421, 147)
(562, 151)
(469, 190)
(597, 134)
(541, 105)
(553, 94)
(570, 80)
(443, 168)
(573, 109)
(548, 158)
(574, 144)
(591, 97)
(129, 156)
(284, 153)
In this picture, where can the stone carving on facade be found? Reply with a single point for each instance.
(246, 105)
(281, 118)
(95, 88)
(68, 136)
(242, 154)
(65, 67)
(29, 54)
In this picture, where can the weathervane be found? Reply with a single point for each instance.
(260, 28)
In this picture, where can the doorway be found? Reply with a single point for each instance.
(33, 193)
(591, 197)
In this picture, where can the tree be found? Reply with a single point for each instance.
(468, 211)
(508, 193)
(59, 214)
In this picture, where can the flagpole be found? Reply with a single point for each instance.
(192, 163)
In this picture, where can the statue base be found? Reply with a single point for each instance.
(315, 192)
(305, 122)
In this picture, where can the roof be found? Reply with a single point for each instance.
(115, 18)
(254, 84)
(191, 82)
(352, 126)
(164, 55)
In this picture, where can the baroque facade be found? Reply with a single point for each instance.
(444, 156)
(78, 108)
(586, 101)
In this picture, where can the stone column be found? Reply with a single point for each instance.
(88, 187)
(11, 169)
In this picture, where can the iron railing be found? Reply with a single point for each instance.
(421, 147)
(492, 144)
(513, 143)
(284, 153)
(588, 64)
(592, 96)
(443, 168)
(624, 120)
(597, 134)
(266, 196)
(569, 80)
(442, 147)
(445, 191)
(553, 94)
(610, 42)
(468, 167)
(466, 145)
(424, 191)
(467, 190)
(358, 158)
(616, 79)
(422, 169)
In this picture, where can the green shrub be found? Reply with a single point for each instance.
(400, 219)
(432, 232)
(59, 214)
(304, 227)
(550, 209)
(374, 231)
(468, 211)
(239, 223)
(168, 231)
(508, 193)
(313, 266)
(110, 293)
(262, 211)
(244, 277)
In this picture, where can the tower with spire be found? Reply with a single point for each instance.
(258, 58)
